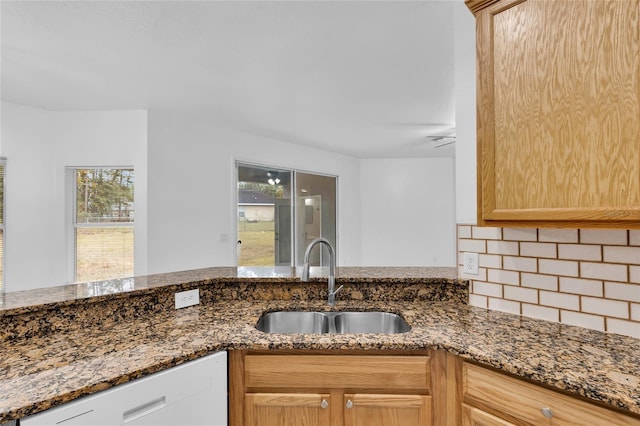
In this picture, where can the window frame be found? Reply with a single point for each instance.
(3, 219)
(73, 225)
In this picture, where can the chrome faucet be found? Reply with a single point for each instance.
(331, 298)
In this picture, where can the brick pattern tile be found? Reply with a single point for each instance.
(584, 277)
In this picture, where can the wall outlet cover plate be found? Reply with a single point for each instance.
(470, 263)
(187, 298)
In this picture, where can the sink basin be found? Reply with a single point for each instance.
(370, 322)
(332, 322)
(293, 322)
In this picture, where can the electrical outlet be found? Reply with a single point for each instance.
(470, 263)
(187, 298)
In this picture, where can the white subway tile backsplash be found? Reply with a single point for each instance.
(486, 233)
(521, 294)
(538, 250)
(635, 312)
(581, 286)
(560, 300)
(541, 312)
(618, 254)
(542, 282)
(558, 235)
(504, 306)
(609, 308)
(626, 328)
(487, 289)
(580, 252)
(477, 300)
(502, 247)
(604, 271)
(603, 236)
(476, 246)
(619, 291)
(490, 261)
(525, 264)
(503, 277)
(464, 231)
(586, 277)
(593, 322)
(520, 234)
(558, 267)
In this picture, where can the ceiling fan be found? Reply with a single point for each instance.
(441, 139)
(438, 141)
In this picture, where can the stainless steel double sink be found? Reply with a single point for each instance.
(342, 322)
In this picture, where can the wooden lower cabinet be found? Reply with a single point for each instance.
(287, 409)
(475, 417)
(301, 389)
(491, 398)
(387, 410)
(431, 388)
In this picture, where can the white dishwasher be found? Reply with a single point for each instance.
(194, 393)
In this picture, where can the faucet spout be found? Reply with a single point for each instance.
(331, 298)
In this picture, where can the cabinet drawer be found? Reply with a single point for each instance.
(524, 401)
(337, 371)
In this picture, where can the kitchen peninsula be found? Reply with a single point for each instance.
(62, 343)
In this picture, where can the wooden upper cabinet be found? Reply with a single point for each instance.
(558, 112)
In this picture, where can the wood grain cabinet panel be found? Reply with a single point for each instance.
(338, 371)
(387, 410)
(558, 112)
(296, 389)
(287, 409)
(525, 403)
(474, 417)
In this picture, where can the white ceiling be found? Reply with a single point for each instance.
(369, 79)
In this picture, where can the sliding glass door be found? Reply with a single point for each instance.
(274, 221)
(264, 216)
(315, 214)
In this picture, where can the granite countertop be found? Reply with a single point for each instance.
(43, 368)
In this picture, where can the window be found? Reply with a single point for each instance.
(277, 219)
(2, 167)
(103, 218)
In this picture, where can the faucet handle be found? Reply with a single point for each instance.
(305, 272)
(337, 289)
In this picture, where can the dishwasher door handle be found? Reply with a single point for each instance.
(144, 409)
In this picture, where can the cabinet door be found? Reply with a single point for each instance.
(558, 107)
(287, 409)
(474, 417)
(387, 410)
(532, 404)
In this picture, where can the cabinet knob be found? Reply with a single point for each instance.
(349, 404)
(324, 403)
(546, 411)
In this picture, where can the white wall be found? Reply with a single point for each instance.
(39, 144)
(192, 197)
(408, 214)
(185, 214)
(465, 95)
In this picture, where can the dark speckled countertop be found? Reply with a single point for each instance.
(49, 358)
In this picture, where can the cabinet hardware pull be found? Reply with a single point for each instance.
(546, 411)
(349, 404)
(324, 403)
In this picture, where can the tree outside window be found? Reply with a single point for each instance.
(103, 223)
